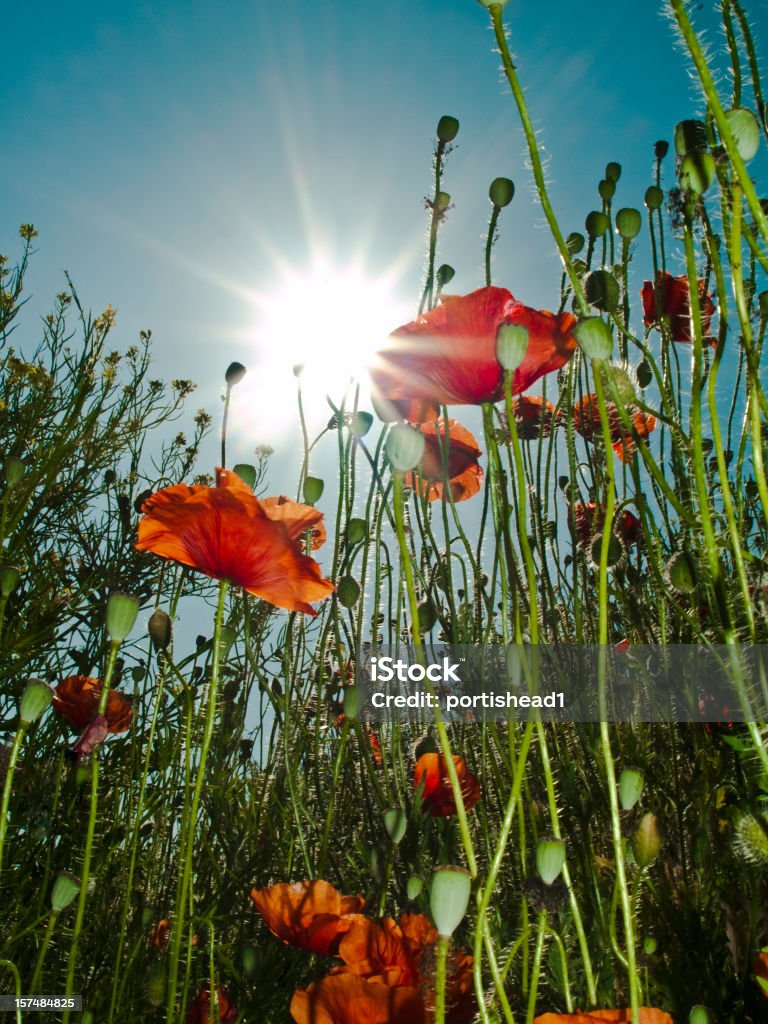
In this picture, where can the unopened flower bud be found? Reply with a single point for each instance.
(13, 470)
(493, 3)
(35, 700)
(445, 274)
(602, 291)
(65, 889)
(654, 197)
(644, 374)
(597, 224)
(628, 222)
(681, 572)
(661, 149)
(357, 530)
(348, 591)
(122, 610)
(574, 243)
(414, 887)
(745, 131)
(501, 191)
(613, 171)
(701, 1015)
(550, 858)
(631, 782)
(404, 447)
(395, 822)
(606, 189)
(690, 136)
(449, 898)
(246, 472)
(360, 423)
(160, 629)
(427, 615)
(235, 373)
(9, 579)
(447, 128)
(650, 945)
(511, 345)
(646, 842)
(594, 338)
(313, 489)
(697, 172)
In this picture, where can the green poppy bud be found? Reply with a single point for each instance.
(646, 842)
(501, 191)
(602, 290)
(650, 945)
(235, 373)
(35, 700)
(414, 887)
(701, 1015)
(697, 172)
(246, 472)
(160, 629)
(122, 610)
(313, 489)
(449, 898)
(681, 572)
(690, 136)
(493, 3)
(404, 447)
(13, 470)
(352, 702)
(511, 345)
(574, 243)
(631, 782)
(644, 374)
(654, 197)
(745, 131)
(360, 423)
(597, 224)
(621, 380)
(348, 591)
(594, 338)
(613, 171)
(616, 550)
(9, 579)
(606, 189)
(628, 222)
(427, 616)
(395, 822)
(357, 530)
(447, 128)
(65, 889)
(661, 149)
(377, 863)
(442, 202)
(550, 858)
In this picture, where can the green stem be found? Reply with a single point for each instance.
(441, 977)
(13, 757)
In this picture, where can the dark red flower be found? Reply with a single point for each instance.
(671, 299)
(462, 472)
(448, 356)
(77, 699)
(431, 773)
(311, 915)
(200, 1008)
(227, 533)
(535, 417)
(586, 421)
(349, 999)
(585, 521)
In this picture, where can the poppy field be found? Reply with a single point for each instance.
(218, 829)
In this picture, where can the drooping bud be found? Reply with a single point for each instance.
(594, 338)
(447, 128)
(550, 858)
(602, 290)
(313, 489)
(35, 700)
(427, 615)
(631, 782)
(628, 222)
(449, 898)
(445, 274)
(65, 889)
(650, 945)
(501, 191)
(235, 373)
(646, 842)
(644, 374)
(348, 591)
(246, 472)
(745, 131)
(160, 629)
(511, 345)
(404, 447)
(360, 423)
(122, 610)
(395, 822)
(227, 636)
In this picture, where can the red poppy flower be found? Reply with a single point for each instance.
(225, 532)
(297, 519)
(646, 1015)
(448, 356)
(373, 739)
(437, 796)
(310, 915)
(77, 699)
(349, 999)
(535, 417)
(200, 1008)
(585, 521)
(673, 298)
(462, 471)
(586, 421)
(159, 936)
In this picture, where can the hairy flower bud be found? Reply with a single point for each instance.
(404, 447)
(447, 128)
(449, 898)
(122, 610)
(594, 338)
(501, 191)
(550, 858)
(160, 629)
(511, 345)
(35, 700)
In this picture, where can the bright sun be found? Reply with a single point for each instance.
(327, 320)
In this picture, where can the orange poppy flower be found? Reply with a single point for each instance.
(77, 699)
(585, 521)
(159, 936)
(310, 915)
(373, 739)
(297, 518)
(586, 421)
(431, 772)
(448, 356)
(535, 417)
(350, 999)
(458, 465)
(760, 969)
(200, 1008)
(673, 297)
(646, 1014)
(225, 532)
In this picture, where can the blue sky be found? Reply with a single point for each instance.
(176, 156)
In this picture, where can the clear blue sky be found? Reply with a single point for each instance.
(173, 154)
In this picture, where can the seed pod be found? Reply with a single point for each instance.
(613, 171)
(606, 189)
(449, 898)
(160, 629)
(445, 274)
(661, 149)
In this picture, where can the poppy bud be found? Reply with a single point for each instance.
(654, 197)
(445, 274)
(442, 202)
(602, 290)
(404, 447)
(13, 470)
(597, 224)
(122, 610)
(594, 338)
(701, 1015)
(621, 380)
(628, 222)
(574, 242)
(646, 842)
(360, 423)
(616, 551)
(493, 3)
(9, 579)
(501, 191)
(427, 616)
(550, 858)
(449, 898)
(650, 945)
(357, 530)
(313, 489)
(631, 782)
(681, 572)
(141, 497)
(414, 887)
(352, 702)
(613, 171)
(697, 172)
(606, 189)
(661, 149)
(64, 890)
(246, 472)
(447, 128)
(690, 136)
(745, 131)
(235, 373)
(348, 591)
(395, 822)
(160, 630)
(35, 700)
(644, 374)
(511, 345)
